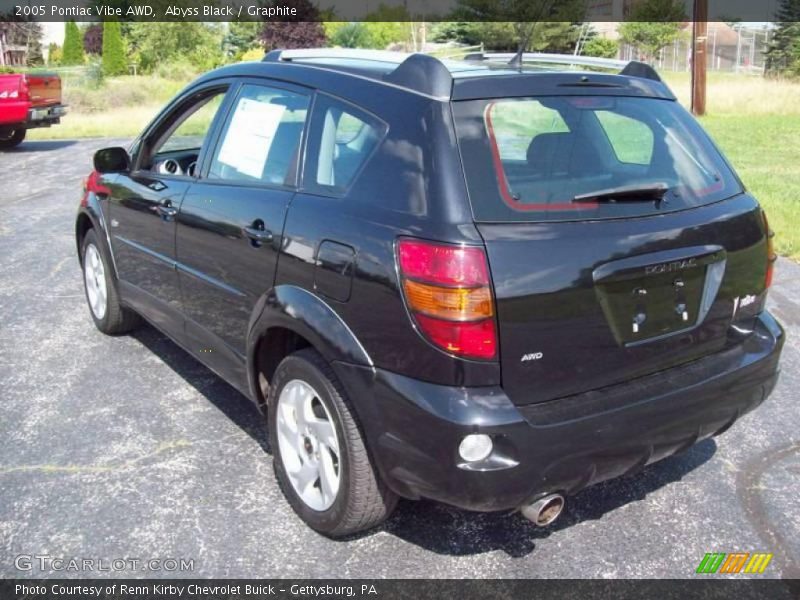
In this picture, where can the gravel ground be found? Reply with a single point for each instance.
(128, 448)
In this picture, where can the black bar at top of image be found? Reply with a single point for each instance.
(383, 10)
(366, 589)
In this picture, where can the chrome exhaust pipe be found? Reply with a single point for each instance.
(545, 510)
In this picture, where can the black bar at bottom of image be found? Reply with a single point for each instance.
(391, 589)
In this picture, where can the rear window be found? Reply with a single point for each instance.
(585, 157)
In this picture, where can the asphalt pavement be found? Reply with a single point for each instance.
(127, 448)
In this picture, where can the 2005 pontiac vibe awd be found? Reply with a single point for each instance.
(474, 282)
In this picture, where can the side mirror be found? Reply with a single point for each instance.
(112, 160)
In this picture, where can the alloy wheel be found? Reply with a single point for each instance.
(309, 446)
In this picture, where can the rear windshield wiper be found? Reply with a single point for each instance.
(626, 193)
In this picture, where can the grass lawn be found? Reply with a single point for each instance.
(756, 122)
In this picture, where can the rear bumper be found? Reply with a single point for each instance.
(15, 115)
(414, 428)
(45, 116)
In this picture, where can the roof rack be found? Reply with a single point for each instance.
(629, 68)
(420, 73)
(429, 76)
(384, 56)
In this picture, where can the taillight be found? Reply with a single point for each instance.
(448, 292)
(93, 184)
(771, 256)
(24, 91)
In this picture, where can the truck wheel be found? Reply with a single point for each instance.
(12, 138)
(320, 459)
(108, 314)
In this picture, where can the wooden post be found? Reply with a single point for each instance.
(699, 56)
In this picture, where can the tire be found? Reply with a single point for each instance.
(361, 500)
(13, 139)
(108, 314)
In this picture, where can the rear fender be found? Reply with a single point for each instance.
(307, 315)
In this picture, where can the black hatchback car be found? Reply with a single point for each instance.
(486, 285)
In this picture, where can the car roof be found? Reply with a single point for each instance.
(479, 75)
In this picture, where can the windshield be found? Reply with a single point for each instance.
(542, 159)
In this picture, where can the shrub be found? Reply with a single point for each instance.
(601, 47)
(351, 35)
(253, 54)
(55, 54)
(94, 75)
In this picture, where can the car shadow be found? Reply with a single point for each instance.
(430, 525)
(451, 531)
(41, 146)
(222, 395)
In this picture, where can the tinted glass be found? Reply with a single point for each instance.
(343, 138)
(261, 138)
(535, 159)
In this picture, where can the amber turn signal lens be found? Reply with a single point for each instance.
(454, 304)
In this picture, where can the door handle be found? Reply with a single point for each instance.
(258, 235)
(167, 211)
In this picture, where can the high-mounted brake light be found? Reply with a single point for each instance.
(447, 290)
(771, 256)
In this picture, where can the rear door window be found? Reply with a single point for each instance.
(342, 139)
(542, 159)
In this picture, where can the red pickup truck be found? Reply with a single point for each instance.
(27, 101)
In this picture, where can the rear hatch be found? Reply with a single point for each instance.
(620, 242)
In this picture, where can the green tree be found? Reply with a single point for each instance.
(387, 25)
(650, 37)
(30, 35)
(54, 54)
(653, 25)
(601, 47)
(304, 30)
(783, 53)
(114, 60)
(241, 37)
(93, 39)
(503, 36)
(523, 24)
(73, 45)
(462, 32)
(157, 43)
(349, 35)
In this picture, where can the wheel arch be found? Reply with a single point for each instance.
(289, 318)
(82, 226)
(90, 216)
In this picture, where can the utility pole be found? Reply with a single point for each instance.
(699, 56)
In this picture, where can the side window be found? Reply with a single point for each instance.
(631, 140)
(343, 138)
(176, 145)
(261, 139)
